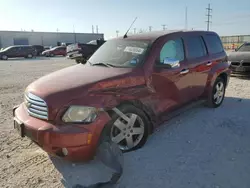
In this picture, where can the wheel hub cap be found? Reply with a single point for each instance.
(219, 92)
(127, 133)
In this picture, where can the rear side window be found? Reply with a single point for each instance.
(214, 43)
(195, 47)
(172, 49)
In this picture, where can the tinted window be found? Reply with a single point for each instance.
(214, 43)
(92, 42)
(195, 47)
(172, 49)
(244, 48)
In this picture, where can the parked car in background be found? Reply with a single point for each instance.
(39, 49)
(81, 52)
(127, 88)
(240, 59)
(26, 51)
(58, 50)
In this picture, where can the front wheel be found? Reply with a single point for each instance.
(216, 97)
(130, 129)
(4, 57)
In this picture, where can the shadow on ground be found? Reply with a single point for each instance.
(200, 148)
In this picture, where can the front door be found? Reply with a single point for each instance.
(172, 85)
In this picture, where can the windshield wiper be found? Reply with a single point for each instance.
(105, 64)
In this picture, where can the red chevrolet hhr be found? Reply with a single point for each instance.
(128, 87)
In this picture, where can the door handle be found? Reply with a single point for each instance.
(184, 71)
(209, 63)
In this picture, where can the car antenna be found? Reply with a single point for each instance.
(125, 36)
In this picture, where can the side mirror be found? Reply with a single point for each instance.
(172, 62)
(235, 49)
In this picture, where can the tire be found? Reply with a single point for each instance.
(29, 56)
(126, 131)
(219, 87)
(4, 57)
(51, 55)
(78, 61)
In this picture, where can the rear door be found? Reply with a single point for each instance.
(22, 51)
(198, 62)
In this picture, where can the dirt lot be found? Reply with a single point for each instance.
(203, 148)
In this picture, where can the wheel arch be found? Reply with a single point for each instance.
(138, 104)
(224, 76)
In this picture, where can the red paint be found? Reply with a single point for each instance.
(60, 50)
(159, 90)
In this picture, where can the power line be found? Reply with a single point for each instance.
(209, 10)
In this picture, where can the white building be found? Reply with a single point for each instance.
(9, 38)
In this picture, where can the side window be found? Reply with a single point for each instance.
(172, 49)
(14, 49)
(214, 43)
(195, 47)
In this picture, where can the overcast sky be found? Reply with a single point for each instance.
(229, 17)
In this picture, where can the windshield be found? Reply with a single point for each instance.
(4, 49)
(92, 42)
(120, 53)
(244, 48)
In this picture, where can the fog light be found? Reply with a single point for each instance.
(65, 151)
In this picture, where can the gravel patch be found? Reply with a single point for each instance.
(203, 148)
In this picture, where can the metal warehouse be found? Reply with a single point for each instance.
(9, 38)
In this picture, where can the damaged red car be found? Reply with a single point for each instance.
(129, 86)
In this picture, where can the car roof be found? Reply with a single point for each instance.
(152, 36)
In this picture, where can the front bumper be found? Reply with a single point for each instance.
(80, 140)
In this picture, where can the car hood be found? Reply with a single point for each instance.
(63, 86)
(239, 56)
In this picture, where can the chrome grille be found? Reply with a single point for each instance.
(36, 106)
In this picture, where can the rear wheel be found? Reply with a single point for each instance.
(29, 55)
(129, 131)
(216, 97)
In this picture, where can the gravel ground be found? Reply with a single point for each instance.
(203, 148)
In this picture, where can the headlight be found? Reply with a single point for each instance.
(78, 114)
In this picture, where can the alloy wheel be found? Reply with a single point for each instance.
(127, 133)
(219, 93)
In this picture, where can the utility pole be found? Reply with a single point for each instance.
(74, 33)
(117, 33)
(186, 19)
(150, 28)
(93, 30)
(134, 30)
(209, 10)
(164, 27)
(96, 28)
